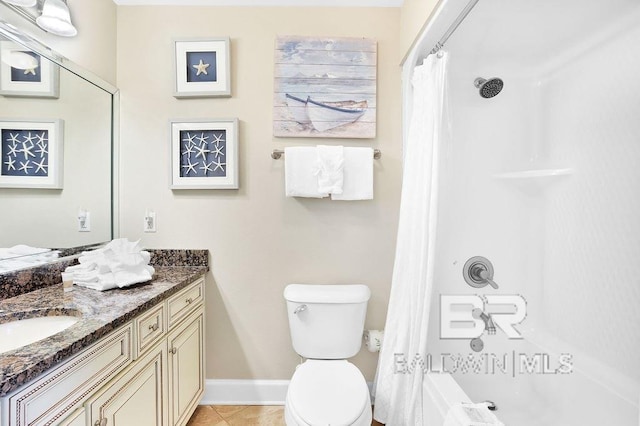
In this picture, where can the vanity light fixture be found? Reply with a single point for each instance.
(56, 18)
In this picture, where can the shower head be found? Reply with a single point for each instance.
(489, 88)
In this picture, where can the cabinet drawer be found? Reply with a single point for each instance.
(51, 397)
(150, 327)
(183, 303)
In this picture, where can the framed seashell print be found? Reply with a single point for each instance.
(202, 68)
(204, 154)
(24, 73)
(31, 154)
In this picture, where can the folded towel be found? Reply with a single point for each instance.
(471, 415)
(358, 175)
(120, 263)
(330, 169)
(300, 172)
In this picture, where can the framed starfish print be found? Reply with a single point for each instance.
(31, 154)
(204, 154)
(24, 73)
(202, 68)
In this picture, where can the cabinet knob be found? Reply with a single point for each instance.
(189, 300)
(173, 351)
(153, 327)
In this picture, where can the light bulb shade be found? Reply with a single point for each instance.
(22, 3)
(56, 18)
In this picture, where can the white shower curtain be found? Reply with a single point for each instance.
(398, 396)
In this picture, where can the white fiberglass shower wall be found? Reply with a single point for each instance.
(544, 181)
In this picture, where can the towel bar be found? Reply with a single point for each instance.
(278, 153)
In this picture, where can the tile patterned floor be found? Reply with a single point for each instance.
(240, 415)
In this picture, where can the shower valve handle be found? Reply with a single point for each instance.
(478, 272)
(484, 275)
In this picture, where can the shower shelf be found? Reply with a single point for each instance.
(534, 174)
(534, 179)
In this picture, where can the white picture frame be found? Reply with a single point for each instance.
(204, 154)
(31, 154)
(24, 73)
(202, 67)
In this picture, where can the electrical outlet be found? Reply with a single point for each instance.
(149, 224)
(84, 221)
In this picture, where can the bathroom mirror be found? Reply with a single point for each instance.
(61, 127)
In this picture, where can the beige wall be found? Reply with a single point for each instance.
(94, 48)
(259, 240)
(413, 16)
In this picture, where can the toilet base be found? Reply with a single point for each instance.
(291, 419)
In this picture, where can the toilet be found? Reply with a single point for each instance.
(326, 324)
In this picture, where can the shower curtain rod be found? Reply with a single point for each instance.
(440, 44)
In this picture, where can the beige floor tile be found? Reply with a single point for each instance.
(241, 415)
(205, 415)
(258, 415)
(226, 411)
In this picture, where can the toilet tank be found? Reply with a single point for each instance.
(326, 321)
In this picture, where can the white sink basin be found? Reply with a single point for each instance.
(16, 334)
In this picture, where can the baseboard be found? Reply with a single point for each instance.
(246, 392)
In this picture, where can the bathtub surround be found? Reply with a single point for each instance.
(543, 181)
(398, 396)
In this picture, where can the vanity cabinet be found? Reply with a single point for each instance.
(149, 371)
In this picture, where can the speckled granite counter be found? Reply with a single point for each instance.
(101, 313)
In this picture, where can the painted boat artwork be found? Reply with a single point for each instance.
(325, 87)
(324, 115)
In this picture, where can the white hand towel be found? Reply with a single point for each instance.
(120, 263)
(300, 172)
(358, 175)
(330, 169)
(471, 415)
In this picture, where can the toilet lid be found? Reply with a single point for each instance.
(328, 392)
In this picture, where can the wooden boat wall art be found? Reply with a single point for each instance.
(325, 87)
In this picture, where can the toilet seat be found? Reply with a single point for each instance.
(328, 392)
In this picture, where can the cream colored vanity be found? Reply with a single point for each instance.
(149, 371)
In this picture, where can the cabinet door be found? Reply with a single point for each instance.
(75, 419)
(135, 397)
(186, 367)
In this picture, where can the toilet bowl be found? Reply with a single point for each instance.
(326, 324)
(328, 392)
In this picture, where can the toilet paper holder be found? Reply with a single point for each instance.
(373, 339)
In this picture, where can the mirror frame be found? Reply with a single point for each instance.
(14, 34)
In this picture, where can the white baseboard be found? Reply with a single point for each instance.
(244, 392)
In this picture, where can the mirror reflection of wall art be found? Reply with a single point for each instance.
(31, 154)
(202, 68)
(204, 154)
(27, 74)
(325, 87)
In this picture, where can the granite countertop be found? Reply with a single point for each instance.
(100, 312)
